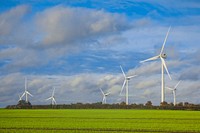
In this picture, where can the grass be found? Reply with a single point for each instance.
(82, 121)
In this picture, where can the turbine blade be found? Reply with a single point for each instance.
(123, 71)
(123, 86)
(101, 91)
(53, 91)
(25, 83)
(107, 94)
(165, 41)
(132, 76)
(48, 98)
(169, 88)
(23, 94)
(29, 93)
(20, 98)
(150, 59)
(163, 62)
(177, 84)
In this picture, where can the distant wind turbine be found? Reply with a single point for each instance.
(126, 80)
(104, 96)
(52, 98)
(162, 57)
(174, 91)
(26, 93)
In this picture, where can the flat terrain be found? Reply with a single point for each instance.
(113, 121)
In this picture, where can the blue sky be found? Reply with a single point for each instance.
(77, 47)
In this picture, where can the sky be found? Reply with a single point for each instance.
(77, 47)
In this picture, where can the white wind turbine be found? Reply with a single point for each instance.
(26, 93)
(126, 80)
(174, 91)
(52, 98)
(162, 57)
(104, 96)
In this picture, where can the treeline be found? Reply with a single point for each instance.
(99, 105)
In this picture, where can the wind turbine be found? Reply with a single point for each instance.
(26, 93)
(52, 98)
(126, 80)
(162, 57)
(104, 96)
(174, 91)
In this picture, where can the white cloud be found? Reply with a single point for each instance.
(64, 25)
(10, 20)
(9, 53)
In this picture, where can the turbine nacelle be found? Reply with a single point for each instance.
(127, 78)
(163, 55)
(107, 94)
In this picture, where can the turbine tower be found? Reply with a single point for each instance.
(162, 57)
(174, 91)
(52, 98)
(26, 93)
(126, 80)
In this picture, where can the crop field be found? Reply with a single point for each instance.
(99, 120)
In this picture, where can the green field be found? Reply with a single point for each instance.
(113, 121)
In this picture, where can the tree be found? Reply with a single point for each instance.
(149, 104)
(123, 103)
(163, 103)
(24, 104)
(180, 104)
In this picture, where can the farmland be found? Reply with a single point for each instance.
(99, 120)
